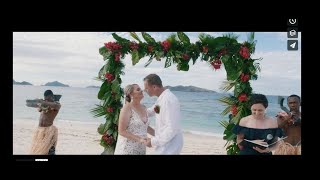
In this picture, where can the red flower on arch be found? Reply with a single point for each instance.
(216, 64)
(242, 97)
(244, 52)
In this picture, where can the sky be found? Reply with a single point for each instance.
(73, 58)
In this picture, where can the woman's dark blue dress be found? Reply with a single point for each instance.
(254, 134)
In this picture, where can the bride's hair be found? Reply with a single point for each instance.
(127, 91)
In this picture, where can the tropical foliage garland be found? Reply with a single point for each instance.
(177, 49)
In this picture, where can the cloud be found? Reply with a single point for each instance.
(280, 64)
(73, 58)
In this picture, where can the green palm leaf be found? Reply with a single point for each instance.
(135, 57)
(100, 129)
(120, 39)
(227, 100)
(227, 85)
(250, 38)
(102, 71)
(148, 38)
(204, 38)
(98, 111)
(135, 36)
(226, 111)
(148, 62)
(224, 123)
(172, 38)
(257, 66)
(183, 38)
(237, 118)
(231, 36)
(231, 138)
(227, 143)
(98, 79)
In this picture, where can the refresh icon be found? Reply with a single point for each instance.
(292, 22)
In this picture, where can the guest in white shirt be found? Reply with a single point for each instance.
(168, 137)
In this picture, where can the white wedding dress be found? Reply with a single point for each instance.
(137, 127)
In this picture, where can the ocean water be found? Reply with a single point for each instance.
(200, 110)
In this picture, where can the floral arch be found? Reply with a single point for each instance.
(177, 49)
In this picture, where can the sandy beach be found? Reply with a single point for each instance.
(80, 138)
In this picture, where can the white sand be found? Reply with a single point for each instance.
(78, 138)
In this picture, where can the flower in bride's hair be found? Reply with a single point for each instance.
(157, 109)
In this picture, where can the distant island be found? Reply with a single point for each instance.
(93, 87)
(188, 89)
(56, 83)
(21, 83)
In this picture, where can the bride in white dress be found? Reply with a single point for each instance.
(133, 123)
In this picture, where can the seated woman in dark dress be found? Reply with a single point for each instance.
(257, 127)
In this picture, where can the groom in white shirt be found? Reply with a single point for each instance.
(168, 137)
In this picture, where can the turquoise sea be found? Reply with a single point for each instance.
(200, 110)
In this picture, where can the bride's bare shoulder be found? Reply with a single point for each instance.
(125, 108)
(126, 111)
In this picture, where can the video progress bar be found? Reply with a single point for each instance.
(31, 159)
